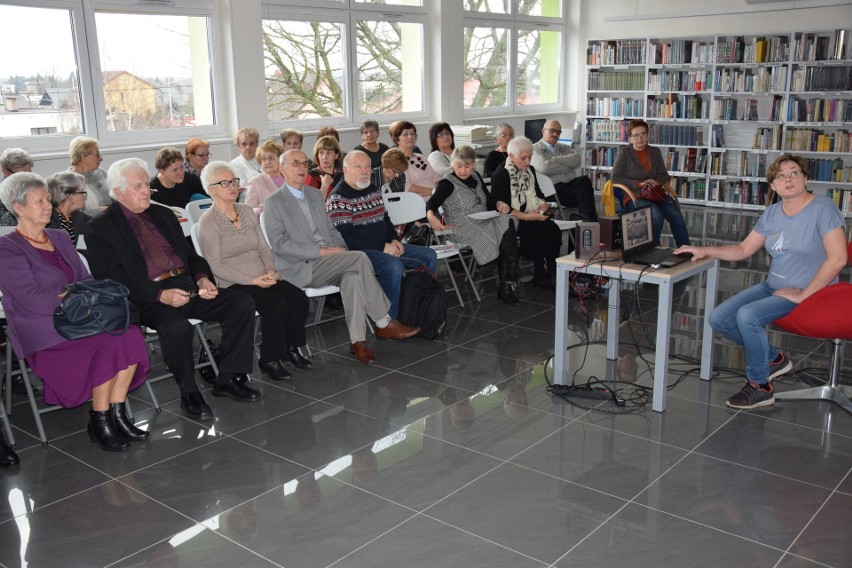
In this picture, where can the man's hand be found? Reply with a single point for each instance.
(325, 251)
(174, 297)
(394, 248)
(206, 289)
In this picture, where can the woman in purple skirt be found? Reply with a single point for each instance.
(38, 263)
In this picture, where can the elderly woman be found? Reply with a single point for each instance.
(462, 193)
(639, 164)
(804, 236)
(245, 165)
(370, 144)
(269, 155)
(232, 242)
(420, 177)
(13, 160)
(497, 156)
(390, 175)
(328, 171)
(86, 160)
(443, 143)
(515, 190)
(38, 264)
(197, 155)
(292, 139)
(68, 195)
(172, 186)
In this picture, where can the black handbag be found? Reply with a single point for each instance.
(91, 307)
(420, 235)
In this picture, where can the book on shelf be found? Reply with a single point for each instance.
(718, 136)
(750, 112)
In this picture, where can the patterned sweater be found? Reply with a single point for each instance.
(360, 217)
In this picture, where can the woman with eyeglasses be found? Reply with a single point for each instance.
(420, 177)
(68, 194)
(370, 144)
(264, 185)
(497, 156)
(389, 176)
(443, 143)
(328, 171)
(246, 166)
(231, 240)
(197, 155)
(86, 160)
(172, 186)
(462, 193)
(804, 236)
(639, 165)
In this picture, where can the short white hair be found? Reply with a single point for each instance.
(212, 169)
(117, 174)
(518, 145)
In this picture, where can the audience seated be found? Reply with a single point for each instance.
(419, 176)
(261, 187)
(292, 139)
(68, 195)
(310, 252)
(172, 186)
(443, 143)
(329, 131)
(390, 175)
(497, 157)
(246, 166)
(197, 155)
(86, 159)
(328, 172)
(357, 211)
(144, 248)
(13, 160)
(370, 144)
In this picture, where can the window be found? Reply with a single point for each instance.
(512, 54)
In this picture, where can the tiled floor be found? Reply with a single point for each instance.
(450, 453)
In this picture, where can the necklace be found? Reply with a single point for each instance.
(32, 240)
(236, 217)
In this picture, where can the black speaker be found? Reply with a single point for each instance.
(611, 233)
(588, 240)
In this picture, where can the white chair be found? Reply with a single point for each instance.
(406, 207)
(194, 209)
(549, 190)
(6, 229)
(180, 213)
(81, 242)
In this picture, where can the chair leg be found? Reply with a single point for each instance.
(832, 392)
(154, 400)
(33, 404)
(453, 281)
(7, 426)
(469, 277)
(201, 331)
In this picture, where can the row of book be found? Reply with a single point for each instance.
(680, 80)
(603, 130)
(678, 106)
(739, 163)
(740, 192)
(688, 188)
(819, 110)
(614, 106)
(821, 79)
(615, 81)
(675, 135)
(760, 49)
(829, 170)
(815, 140)
(726, 109)
(761, 80)
(603, 156)
(598, 179)
(811, 47)
(680, 51)
(841, 196)
(688, 160)
(767, 138)
(616, 52)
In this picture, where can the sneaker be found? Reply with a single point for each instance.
(751, 396)
(780, 366)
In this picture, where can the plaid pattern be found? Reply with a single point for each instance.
(482, 235)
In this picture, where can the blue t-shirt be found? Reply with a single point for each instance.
(795, 241)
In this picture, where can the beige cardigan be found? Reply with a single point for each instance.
(234, 258)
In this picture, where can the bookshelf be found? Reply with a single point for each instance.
(721, 108)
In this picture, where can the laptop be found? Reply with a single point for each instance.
(638, 241)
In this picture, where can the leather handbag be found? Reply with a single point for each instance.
(419, 235)
(652, 191)
(91, 307)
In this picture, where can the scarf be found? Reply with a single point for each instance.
(522, 188)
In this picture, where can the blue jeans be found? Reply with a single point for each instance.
(665, 211)
(389, 269)
(743, 319)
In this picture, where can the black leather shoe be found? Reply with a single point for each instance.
(194, 405)
(123, 424)
(236, 390)
(8, 457)
(103, 432)
(275, 370)
(299, 361)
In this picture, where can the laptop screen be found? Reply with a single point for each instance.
(636, 228)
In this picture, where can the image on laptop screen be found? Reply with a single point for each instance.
(636, 227)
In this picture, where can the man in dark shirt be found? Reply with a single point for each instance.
(357, 211)
(143, 247)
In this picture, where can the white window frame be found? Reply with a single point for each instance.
(515, 23)
(348, 13)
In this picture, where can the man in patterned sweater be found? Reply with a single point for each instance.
(357, 210)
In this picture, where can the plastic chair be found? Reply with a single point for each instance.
(827, 314)
(194, 209)
(549, 190)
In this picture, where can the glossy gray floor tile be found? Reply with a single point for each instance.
(453, 453)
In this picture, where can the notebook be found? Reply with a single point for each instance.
(638, 240)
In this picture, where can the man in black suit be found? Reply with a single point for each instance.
(144, 248)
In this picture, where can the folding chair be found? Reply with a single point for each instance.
(194, 209)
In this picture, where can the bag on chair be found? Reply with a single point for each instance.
(652, 191)
(91, 307)
(423, 303)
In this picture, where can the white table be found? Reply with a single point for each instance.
(616, 270)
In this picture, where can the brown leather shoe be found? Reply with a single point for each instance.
(362, 352)
(396, 330)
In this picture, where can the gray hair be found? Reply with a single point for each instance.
(117, 174)
(79, 146)
(62, 185)
(369, 125)
(14, 189)
(348, 157)
(15, 158)
(504, 126)
(464, 153)
(518, 145)
(212, 169)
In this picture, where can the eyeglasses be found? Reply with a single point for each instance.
(444, 134)
(396, 173)
(226, 182)
(791, 176)
(207, 155)
(299, 163)
(269, 158)
(639, 135)
(87, 154)
(79, 193)
(556, 130)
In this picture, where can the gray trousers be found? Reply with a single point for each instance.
(362, 296)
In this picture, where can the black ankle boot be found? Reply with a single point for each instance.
(125, 427)
(508, 267)
(8, 457)
(540, 278)
(295, 356)
(505, 289)
(103, 432)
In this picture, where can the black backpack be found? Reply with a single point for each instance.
(423, 303)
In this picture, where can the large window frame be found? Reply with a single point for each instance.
(93, 108)
(516, 24)
(348, 13)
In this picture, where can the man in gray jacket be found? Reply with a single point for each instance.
(309, 251)
(559, 162)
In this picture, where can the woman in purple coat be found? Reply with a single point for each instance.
(38, 263)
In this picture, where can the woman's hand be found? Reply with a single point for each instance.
(534, 216)
(795, 295)
(503, 208)
(697, 252)
(266, 280)
(434, 222)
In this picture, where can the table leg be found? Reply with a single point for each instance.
(560, 346)
(613, 319)
(661, 360)
(707, 337)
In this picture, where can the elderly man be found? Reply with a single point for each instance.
(357, 210)
(143, 247)
(559, 162)
(12, 161)
(310, 252)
